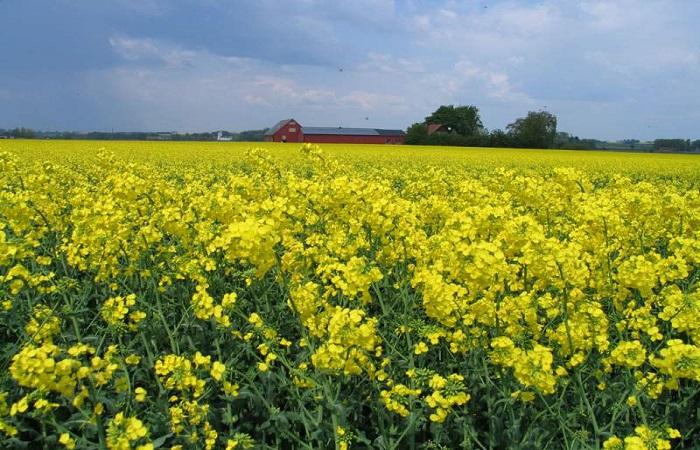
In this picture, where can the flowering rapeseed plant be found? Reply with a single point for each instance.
(348, 297)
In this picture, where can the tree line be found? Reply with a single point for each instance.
(28, 133)
(462, 126)
(677, 145)
(19, 133)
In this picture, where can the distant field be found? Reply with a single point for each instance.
(279, 296)
(393, 155)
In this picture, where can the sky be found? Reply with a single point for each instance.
(608, 69)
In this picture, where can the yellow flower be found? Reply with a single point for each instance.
(132, 359)
(229, 300)
(43, 260)
(217, 370)
(230, 389)
(240, 441)
(67, 441)
(201, 360)
(613, 443)
(420, 348)
(524, 396)
(439, 415)
(19, 407)
(673, 433)
(140, 394)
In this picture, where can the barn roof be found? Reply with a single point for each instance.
(390, 132)
(436, 127)
(276, 127)
(338, 131)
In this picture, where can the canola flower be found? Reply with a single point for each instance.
(387, 297)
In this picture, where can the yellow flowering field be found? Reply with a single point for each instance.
(239, 296)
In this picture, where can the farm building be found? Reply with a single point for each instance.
(438, 128)
(290, 130)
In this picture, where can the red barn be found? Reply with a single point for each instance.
(290, 130)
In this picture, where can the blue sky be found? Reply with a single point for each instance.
(609, 69)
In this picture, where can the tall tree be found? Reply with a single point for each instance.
(417, 134)
(537, 130)
(23, 133)
(463, 120)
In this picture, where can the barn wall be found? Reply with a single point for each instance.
(343, 139)
(394, 139)
(292, 136)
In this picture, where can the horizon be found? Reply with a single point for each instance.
(176, 132)
(609, 70)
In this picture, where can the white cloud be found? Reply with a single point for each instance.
(145, 49)
(370, 101)
(287, 90)
(134, 49)
(382, 62)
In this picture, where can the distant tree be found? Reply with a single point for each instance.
(417, 134)
(499, 138)
(563, 139)
(463, 120)
(537, 130)
(23, 133)
(251, 135)
(695, 145)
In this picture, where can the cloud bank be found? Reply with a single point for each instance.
(607, 69)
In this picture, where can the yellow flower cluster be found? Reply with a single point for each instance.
(122, 431)
(447, 393)
(178, 373)
(628, 354)
(181, 375)
(43, 325)
(643, 438)
(398, 399)
(206, 308)
(532, 368)
(678, 360)
(115, 309)
(5, 428)
(350, 343)
(69, 372)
